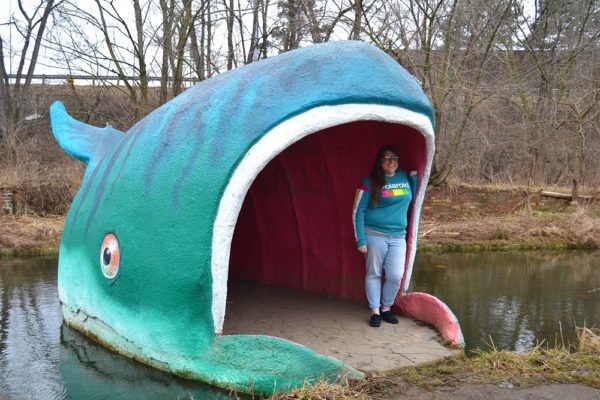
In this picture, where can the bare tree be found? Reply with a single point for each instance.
(253, 51)
(323, 18)
(230, 12)
(447, 44)
(481, 23)
(357, 24)
(184, 26)
(14, 96)
(292, 25)
(557, 42)
(201, 47)
(167, 8)
(122, 50)
(515, 94)
(138, 43)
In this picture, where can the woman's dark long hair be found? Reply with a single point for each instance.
(377, 176)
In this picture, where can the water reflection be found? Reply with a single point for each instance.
(29, 329)
(92, 372)
(42, 359)
(515, 299)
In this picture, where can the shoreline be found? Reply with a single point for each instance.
(428, 249)
(454, 219)
(29, 252)
(477, 248)
(552, 374)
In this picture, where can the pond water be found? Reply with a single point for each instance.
(513, 299)
(42, 359)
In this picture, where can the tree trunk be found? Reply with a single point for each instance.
(15, 99)
(113, 57)
(196, 51)
(253, 52)
(34, 55)
(356, 26)
(167, 16)
(141, 58)
(265, 31)
(580, 154)
(313, 23)
(209, 36)
(230, 50)
(5, 96)
(185, 28)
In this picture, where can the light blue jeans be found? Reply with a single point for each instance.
(384, 252)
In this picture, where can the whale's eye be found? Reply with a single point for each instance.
(110, 256)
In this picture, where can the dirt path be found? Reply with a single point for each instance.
(502, 391)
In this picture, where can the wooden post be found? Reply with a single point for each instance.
(8, 201)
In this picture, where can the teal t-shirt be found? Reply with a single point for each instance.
(390, 214)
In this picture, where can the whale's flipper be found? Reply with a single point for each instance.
(427, 308)
(85, 142)
(270, 365)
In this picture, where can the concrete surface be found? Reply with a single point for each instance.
(329, 326)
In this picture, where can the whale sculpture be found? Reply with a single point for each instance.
(251, 175)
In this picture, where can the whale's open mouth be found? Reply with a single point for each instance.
(289, 201)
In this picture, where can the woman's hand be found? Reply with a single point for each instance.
(362, 249)
(413, 173)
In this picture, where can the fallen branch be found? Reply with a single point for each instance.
(428, 232)
(565, 195)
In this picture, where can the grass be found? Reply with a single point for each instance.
(323, 390)
(578, 363)
(545, 215)
(30, 235)
(567, 228)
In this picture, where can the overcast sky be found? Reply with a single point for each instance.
(49, 62)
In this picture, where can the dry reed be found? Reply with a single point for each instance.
(588, 340)
(324, 390)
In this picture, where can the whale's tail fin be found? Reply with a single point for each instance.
(85, 142)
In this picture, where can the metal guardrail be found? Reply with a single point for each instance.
(50, 77)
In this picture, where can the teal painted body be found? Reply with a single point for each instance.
(157, 189)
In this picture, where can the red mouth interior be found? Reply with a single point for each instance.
(295, 227)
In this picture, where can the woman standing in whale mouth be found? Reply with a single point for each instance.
(380, 220)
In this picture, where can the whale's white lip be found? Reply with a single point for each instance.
(274, 142)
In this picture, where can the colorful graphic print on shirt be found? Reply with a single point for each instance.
(395, 189)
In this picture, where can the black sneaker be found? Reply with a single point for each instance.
(388, 317)
(375, 321)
